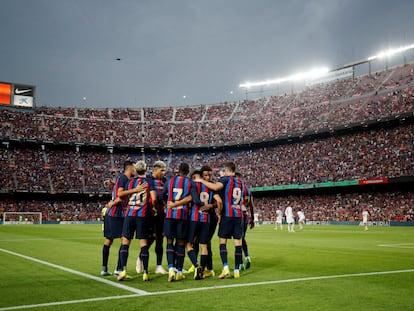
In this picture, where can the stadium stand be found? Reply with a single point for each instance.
(390, 206)
(158, 133)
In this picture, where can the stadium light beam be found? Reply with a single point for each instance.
(313, 74)
(391, 52)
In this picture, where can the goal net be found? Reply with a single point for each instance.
(22, 218)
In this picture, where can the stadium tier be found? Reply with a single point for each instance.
(368, 97)
(55, 161)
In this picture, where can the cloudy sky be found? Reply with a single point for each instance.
(200, 49)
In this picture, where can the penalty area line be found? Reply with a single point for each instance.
(326, 277)
(85, 275)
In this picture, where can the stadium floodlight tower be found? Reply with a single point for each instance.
(320, 72)
(301, 76)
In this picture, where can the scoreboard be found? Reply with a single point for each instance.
(17, 95)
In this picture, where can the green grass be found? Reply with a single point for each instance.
(316, 251)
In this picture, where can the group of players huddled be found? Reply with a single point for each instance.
(185, 211)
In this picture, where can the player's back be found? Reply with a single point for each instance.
(232, 195)
(178, 187)
(139, 203)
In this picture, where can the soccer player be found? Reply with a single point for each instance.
(301, 219)
(248, 219)
(206, 174)
(279, 219)
(156, 184)
(175, 223)
(199, 227)
(365, 215)
(230, 216)
(137, 220)
(114, 217)
(290, 219)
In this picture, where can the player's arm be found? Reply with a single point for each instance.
(213, 186)
(219, 202)
(181, 202)
(122, 193)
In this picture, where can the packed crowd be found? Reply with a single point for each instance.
(394, 206)
(371, 154)
(318, 107)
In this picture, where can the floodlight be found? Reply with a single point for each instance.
(313, 74)
(391, 52)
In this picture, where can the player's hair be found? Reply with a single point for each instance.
(231, 166)
(141, 167)
(238, 175)
(196, 172)
(128, 164)
(205, 168)
(184, 169)
(159, 164)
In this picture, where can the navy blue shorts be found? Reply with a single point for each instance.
(230, 227)
(113, 227)
(175, 228)
(200, 230)
(138, 225)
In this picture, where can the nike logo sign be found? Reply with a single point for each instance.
(17, 91)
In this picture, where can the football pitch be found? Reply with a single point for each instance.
(57, 267)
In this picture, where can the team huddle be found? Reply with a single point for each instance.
(184, 210)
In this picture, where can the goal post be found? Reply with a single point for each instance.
(22, 218)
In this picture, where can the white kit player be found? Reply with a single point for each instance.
(301, 220)
(365, 215)
(279, 219)
(290, 219)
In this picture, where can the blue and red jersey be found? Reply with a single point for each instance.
(232, 195)
(176, 189)
(139, 204)
(157, 184)
(204, 195)
(119, 209)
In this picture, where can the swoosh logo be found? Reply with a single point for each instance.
(17, 91)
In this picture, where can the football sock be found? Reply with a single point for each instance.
(180, 257)
(245, 249)
(196, 247)
(209, 257)
(223, 254)
(193, 257)
(204, 259)
(119, 265)
(123, 251)
(170, 255)
(144, 257)
(105, 257)
(159, 250)
(238, 257)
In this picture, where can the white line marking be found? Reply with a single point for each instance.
(85, 275)
(206, 288)
(402, 245)
(47, 239)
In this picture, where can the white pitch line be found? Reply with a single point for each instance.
(85, 275)
(326, 277)
(403, 245)
(45, 239)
